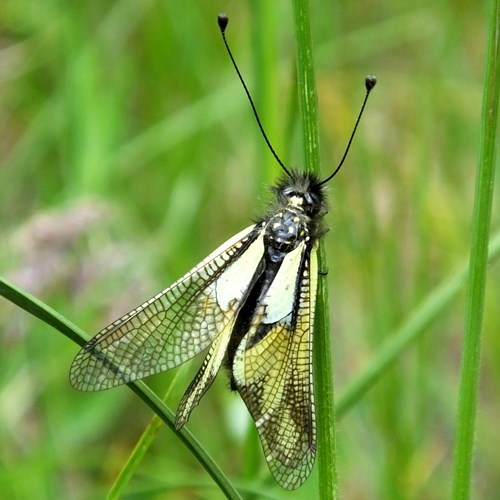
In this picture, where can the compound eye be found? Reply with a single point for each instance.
(312, 203)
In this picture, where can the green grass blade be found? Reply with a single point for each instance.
(474, 313)
(323, 372)
(42, 311)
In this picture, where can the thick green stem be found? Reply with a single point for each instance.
(469, 376)
(323, 372)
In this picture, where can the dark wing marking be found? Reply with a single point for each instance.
(175, 324)
(274, 375)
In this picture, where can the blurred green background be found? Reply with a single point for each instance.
(128, 152)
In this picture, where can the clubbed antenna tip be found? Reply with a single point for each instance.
(222, 20)
(370, 80)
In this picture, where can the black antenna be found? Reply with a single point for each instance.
(370, 82)
(222, 20)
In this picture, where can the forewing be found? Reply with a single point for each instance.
(175, 324)
(274, 373)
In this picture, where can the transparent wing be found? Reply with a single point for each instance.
(175, 324)
(273, 369)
